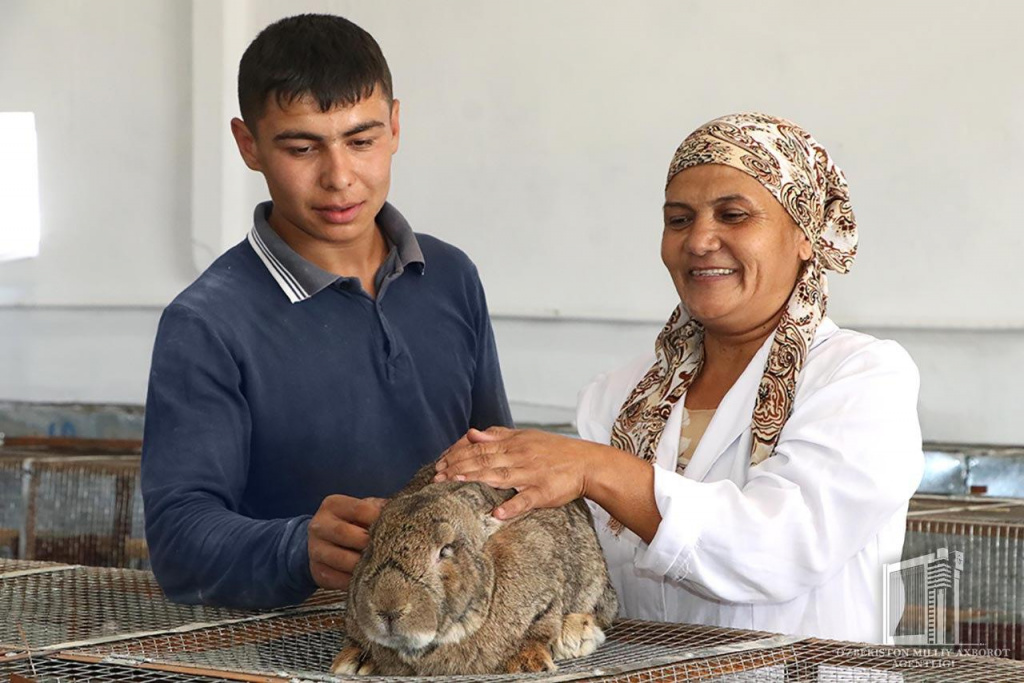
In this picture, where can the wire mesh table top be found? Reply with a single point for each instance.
(70, 623)
(58, 670)
(51, 607)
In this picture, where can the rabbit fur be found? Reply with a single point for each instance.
(444, 588)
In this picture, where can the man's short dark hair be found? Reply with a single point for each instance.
(320, 55)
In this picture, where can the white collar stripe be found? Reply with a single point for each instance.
(287, 274)
(278, 269)
(292, 289)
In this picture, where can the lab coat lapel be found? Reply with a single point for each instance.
(732, 417)
(736, 410)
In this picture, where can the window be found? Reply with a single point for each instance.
(19, 186)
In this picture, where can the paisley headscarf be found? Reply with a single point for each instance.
(801, 175)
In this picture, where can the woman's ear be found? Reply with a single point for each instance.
(804, 247)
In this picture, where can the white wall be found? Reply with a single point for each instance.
(109, 82)
(550, 125)
(535, 136)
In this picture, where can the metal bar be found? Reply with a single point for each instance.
(39, 570)
(29, 491)
(185, 628)
(74, 445)
(124, 488)
(986, 507)
(169, 668)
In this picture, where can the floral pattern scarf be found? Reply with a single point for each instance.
(801, 175)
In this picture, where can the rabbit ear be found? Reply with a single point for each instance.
(480, 496)
(491, 524)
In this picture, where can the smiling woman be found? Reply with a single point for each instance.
(732, 250)
(19, 186)
(755, 471)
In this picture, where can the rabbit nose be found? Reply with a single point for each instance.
(389, 617)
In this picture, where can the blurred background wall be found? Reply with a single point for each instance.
(536, 136)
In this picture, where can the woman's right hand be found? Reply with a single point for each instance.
(548, 470)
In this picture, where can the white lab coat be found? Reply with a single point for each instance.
(795, 544)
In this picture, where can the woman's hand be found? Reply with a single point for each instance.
(547, 470)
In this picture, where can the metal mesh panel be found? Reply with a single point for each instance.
(12, 508)
(834, 661)
(94, 624)
(990, 534)
(79, 509)
(301, 644)
(304, 644)
(821, 661)
(57, 670)
(58, 605)
(106, 625)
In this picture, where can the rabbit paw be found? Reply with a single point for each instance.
(352, 660)
(580, 636)
(533, 657)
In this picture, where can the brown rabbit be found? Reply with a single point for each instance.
(444, 588)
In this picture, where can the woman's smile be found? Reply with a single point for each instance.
(730, 247)
(711, 274)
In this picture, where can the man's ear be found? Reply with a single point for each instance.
(396, 127)
(246, 142)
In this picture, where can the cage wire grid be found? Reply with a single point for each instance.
(48, 606)
(990, 534)
(70, 623)
(57, 670)
(85, 509)
(304, 645)
(85, 624)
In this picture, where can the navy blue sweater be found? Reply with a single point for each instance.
(259, 408)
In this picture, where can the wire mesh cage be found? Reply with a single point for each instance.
(67, 670)
(304, 642)
(67, 623)
(48, 606)
(70, 500)
(79, 503)
(988, 534)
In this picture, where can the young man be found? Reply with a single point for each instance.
(315, 366)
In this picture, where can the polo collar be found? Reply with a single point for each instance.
(300, 279)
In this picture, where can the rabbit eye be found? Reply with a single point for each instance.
(447, 551)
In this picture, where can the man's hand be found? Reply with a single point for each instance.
(337, 536)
